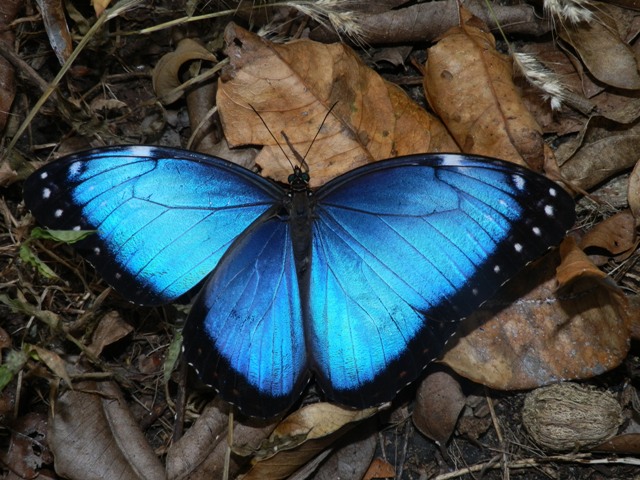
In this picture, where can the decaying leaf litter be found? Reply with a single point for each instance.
(442, 79)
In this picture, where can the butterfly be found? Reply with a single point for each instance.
(358, 283)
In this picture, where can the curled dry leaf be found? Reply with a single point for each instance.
(616, 235)
(55, 23)
(439, 402)
(532, 335)
(110, 329)
(372, 119)
(165, 79)
(94, 436)
(469, 85)
(301, 436)
(200, 453)
(602, 50)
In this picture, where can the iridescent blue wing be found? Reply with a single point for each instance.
(164, 217)
(245, 335)
(403, 249)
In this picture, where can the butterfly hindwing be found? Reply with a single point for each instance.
(405, 248)
(163, 217)
(244, 335)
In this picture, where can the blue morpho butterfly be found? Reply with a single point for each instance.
(359, 282)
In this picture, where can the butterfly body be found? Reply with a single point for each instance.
(358, 283)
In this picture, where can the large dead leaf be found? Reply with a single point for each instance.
(600, 152)
(602, 50)
(469, 85)
(532, 335)
(293, 86)
(94, 436)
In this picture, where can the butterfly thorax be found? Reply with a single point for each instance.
(299, 208)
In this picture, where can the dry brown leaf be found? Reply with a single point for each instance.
(165, 78)
(601, 151)
(633, 193)
(28, 450)
(200, 453)
(575, 264)
(110, 329)
(55, 23)
(293, 86)
(5, 339)
(353, 457)
(53, 361)
(301, 436)
(8, 12)
(95, 436)
(469, 85)
(633, 313)
(628, 443)
(380, 468)
(439, 402)
(539, 336)
(100, 6)
(616, 235)
(602, 50)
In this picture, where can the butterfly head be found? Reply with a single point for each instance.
(299, 179)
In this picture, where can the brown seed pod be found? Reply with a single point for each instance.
(568, 416)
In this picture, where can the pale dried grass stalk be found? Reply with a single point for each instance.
(571, 11)
(331, 13)
(542, 78)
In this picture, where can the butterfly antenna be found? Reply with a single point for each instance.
(319, 129)
(274, 138)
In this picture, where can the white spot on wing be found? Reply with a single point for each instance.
(455, 160)
(143, 151)
(44, 175)
(548, 210)
(496, 269)
(536, 231)
(58, 213)
(46, 193)
(519, 182)
(74, 169)
(553, 192)
(77, 228)
(518, 247)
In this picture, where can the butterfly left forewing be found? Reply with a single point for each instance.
(162, 217)
(405, 248)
